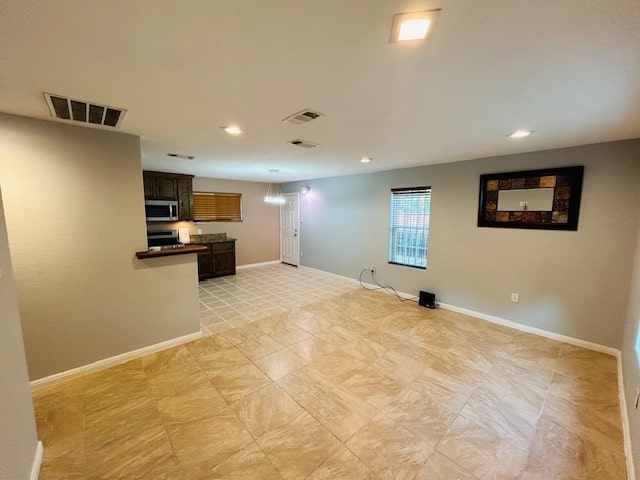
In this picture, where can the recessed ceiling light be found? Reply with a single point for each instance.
(520, 134)
(413, 26)
(232, 130)
(365, 159)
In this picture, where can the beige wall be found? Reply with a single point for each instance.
(258, 233)
(75, 218)
(18, 438)
(571, 283)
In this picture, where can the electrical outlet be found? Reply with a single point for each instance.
(515, 297)
(637, 397)
(301, 254)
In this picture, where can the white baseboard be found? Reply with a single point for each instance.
(111, 361)
(37, 461)
(260, 264)
(626, 431)
(536, 331)
(356, 281)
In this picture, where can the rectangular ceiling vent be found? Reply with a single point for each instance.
(80, 111)
(302, 117)
(303, 143)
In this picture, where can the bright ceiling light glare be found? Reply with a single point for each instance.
(413, 26)
(365, 159)
(231, 130)
(520, 134)
(413, 30)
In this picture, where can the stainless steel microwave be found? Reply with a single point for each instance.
(161, 210)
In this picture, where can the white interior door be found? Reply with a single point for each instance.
(289, 227)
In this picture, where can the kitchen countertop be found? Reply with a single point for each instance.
(166, 252)
(211, 238)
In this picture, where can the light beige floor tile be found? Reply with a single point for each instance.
(63, 456)
(376, 388)
(221, 361)
(288, 334)
(480, 451)
(259, 347)
(176, 359)
(583, 363)
(250, 463)
(108, 390)
(442, 382)
(163, 417)
(399, 367)
(422, 416)
(390, 450)
(312, 348)
(338, 366)
(601, 389)
(439, 467)
(305, 384)
(187, 399)
(264, 409)
(598, 422)
(343, 465)
(508, 402)
(203, 444)
(128, 444)
(237, 383)
(207, 345)
(365, 349)
(298, 446)
(339, 410)
(279, 364)
(559, 453)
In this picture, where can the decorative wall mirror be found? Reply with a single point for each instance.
(544, 199)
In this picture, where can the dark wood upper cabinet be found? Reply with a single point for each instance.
(185, 198)
(166, 188)
(149, 188)
(170, 186)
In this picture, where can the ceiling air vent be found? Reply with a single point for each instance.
(80, 111)
(303, 143)
(302, 117)
(184, 156)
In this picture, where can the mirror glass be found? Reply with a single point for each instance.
(526, 199)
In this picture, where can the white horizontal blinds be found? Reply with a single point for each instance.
(409, 226)
(217, 206)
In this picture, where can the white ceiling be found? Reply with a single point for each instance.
(570, 70)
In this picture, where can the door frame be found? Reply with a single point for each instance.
(285, 195)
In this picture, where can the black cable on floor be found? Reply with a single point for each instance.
(382, 287)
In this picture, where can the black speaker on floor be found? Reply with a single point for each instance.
(427, 299)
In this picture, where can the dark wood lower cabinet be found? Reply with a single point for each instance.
(218, 260)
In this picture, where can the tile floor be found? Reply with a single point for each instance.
(313, 379)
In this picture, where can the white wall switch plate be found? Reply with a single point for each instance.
(515, 297)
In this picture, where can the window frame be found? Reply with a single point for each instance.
(392, 257)
(222, 218)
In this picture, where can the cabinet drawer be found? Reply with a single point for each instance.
(216, 247)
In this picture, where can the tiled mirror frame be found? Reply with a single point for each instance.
(567, 184)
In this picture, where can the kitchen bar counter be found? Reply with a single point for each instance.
(211, 238)
(166, 252)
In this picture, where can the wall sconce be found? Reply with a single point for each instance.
(306, 190)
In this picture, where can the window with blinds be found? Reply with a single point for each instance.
(409, 226)
(217, 207)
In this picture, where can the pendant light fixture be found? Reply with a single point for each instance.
(273, 192)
